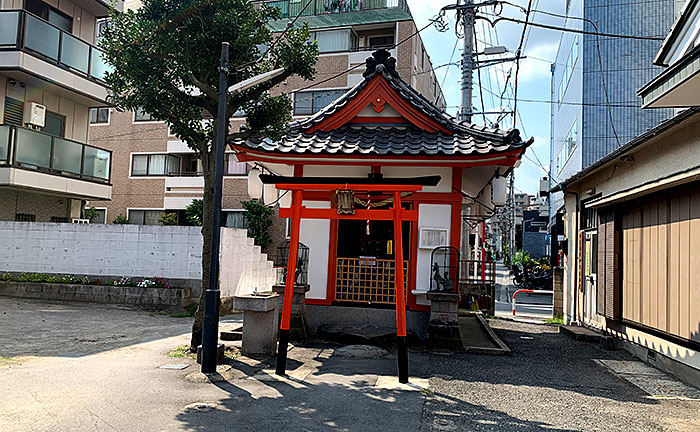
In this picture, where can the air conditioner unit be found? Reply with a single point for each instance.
(34, 114)
(80, 221)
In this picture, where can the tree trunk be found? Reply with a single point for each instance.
(208, 167)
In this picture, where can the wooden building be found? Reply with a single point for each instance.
(381, 132)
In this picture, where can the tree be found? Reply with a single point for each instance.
(90, 213)
(258, 221)
(193, 212)
(165, 58)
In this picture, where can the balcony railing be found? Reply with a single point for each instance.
(30, 149)
(22, 30)
(292, 8)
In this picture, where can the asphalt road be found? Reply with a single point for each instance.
(82, 367)
(535, 306)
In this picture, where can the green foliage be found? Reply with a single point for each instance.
(120, 219)
(258, 221)
(525, 259)
(194, 212)
(167, 45)
(6, 277)
(168, 218)
(90, 213)
(555, 320)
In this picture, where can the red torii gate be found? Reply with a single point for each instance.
(395, 186)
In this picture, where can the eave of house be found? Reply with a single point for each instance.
(677, 86)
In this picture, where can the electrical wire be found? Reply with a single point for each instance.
(357, 66)
(518, 53)
(284, 32)
(570, 30)
(478, 75)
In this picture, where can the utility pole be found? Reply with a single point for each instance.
(210, 327)
(467, 60)
(511, 245)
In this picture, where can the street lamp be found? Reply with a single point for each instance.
(210, 325)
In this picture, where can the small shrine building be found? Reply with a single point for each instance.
(347, 166)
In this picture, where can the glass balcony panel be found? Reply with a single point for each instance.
(67, 156)
(8, 28)
(4, 144)
(33, 148)
(98, 67)
(283, 6)
(97, 163)
(75, 53)
(41, 37)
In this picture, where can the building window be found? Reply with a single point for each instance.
(568, 69)
(142, 116)
(99, 115)
(381, 41)
(333, 40)
(47, 13)
(567, 147)
(144, 217)
(100, 27)
(155, 165)
(54, 124)
(101, 216)
(312, 102)
(191, 165)
(234, 219)
(233, 166)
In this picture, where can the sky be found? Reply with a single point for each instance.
(540, 48)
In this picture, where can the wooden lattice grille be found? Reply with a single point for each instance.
(367, 280)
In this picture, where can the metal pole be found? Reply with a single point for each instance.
(467, 60)
(400, 292)
(289, 284)
(210, 326)
(511, 252)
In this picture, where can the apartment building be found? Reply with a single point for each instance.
(154, 172)
(50, 77)
(595, 108)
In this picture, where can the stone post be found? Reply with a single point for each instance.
(260, 325)
(443, 329)
(298, 328)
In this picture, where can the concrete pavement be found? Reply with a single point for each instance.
(550, 383)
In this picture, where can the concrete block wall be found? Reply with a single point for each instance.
(137, 251)
(244, 268)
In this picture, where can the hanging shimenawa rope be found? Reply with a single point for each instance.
(366, 203)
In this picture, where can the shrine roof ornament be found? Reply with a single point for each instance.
(422, 129)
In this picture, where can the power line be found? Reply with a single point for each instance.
(284, 32)
(357, 66)
(566, 29)
(518, 53)
(478, 75)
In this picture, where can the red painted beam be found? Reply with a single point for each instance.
(346, 186)
(360, 214)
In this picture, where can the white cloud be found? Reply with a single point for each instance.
(537, 64)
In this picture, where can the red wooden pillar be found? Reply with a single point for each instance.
(483, 251)
(289, 284)
(400, 292)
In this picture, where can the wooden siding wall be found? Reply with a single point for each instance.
(661, 261)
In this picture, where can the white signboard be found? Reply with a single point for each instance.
(431, 238)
